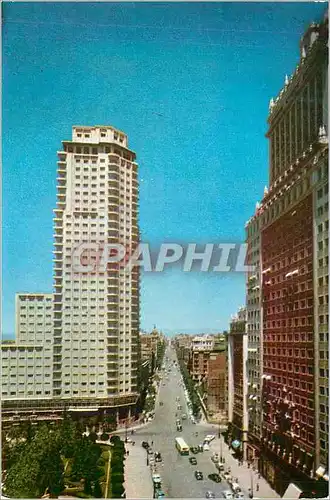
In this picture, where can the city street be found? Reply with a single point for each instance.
(178, 479)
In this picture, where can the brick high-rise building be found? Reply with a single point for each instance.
(287, 298)
(237, 383)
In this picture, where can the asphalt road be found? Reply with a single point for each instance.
(178, 479)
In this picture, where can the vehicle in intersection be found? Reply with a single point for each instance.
(145, 445)
(193, 460)
(198, 475)
(181, 446)
(209, 494)
(206, 447)
(158, 457)
(194, 449)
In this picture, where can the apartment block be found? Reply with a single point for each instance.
(78, 348)
(26, 361)
(254, 338)
(288, 240)
(25, 373)
(237, 384)
(34, 318)
(217, 384)
(96, 310)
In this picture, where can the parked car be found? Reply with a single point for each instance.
(198, 475)
(200, 447)
(184, 416)
(149, 451)
(209, 494)
(206, 447)
(215, 477)
(215, 457)
(158, 457)
(227, 495)
(145, 445)
(220, 467)
(193, 460)
(194, 449)
(240, 496)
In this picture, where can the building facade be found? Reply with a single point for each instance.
(237, 383)
(291, 223)
(94, 330)
(216, 389)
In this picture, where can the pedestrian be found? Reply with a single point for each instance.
(133, 443)
(257, 486)
(127, 452)
(152, 443)
(259, 475)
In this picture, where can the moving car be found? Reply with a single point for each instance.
(179, 427)
(200, 447)
(209, 494)
(157, 480)
(193, 460)
(184, 416)
(160, 494)
(227, 495)
(198, 475)
(215, 477)
(206, 447)
(215, 457)
(236, 488)
(220, 467)
(209, 438)
(240, 496)
(145, 445)
(194, 449)
(158, 457)
(149, 451)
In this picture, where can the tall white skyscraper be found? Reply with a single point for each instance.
(96, 310)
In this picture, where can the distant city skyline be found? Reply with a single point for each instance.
(190, 85)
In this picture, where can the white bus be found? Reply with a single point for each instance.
(181, 446)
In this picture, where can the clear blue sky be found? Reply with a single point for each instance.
(209, 70)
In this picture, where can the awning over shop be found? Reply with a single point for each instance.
(292, 492)
(83, 409)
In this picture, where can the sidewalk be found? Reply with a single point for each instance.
(246, 476)
(138, 482)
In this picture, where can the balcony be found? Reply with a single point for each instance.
(113, 159)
